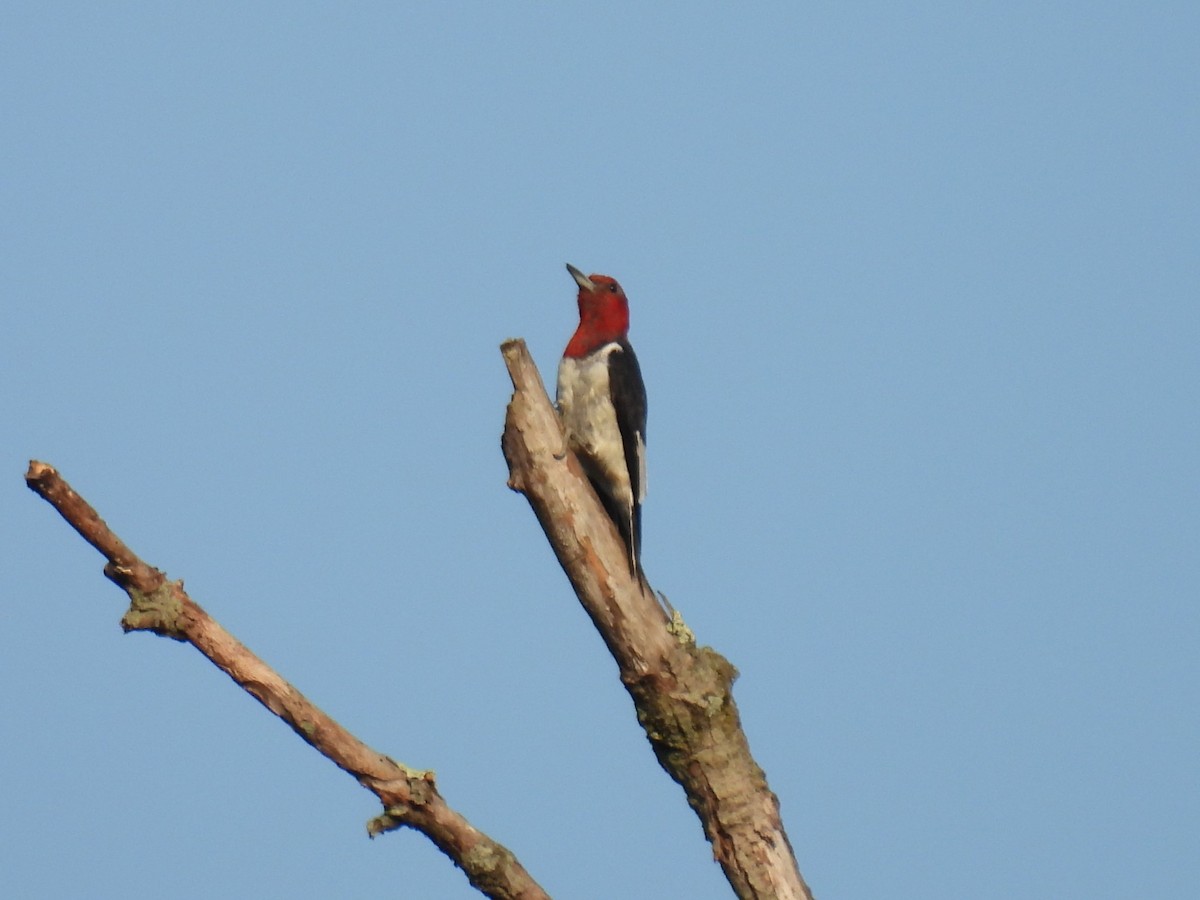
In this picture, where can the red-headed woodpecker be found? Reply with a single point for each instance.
(602, 401)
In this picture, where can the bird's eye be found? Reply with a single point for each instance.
(612, 288)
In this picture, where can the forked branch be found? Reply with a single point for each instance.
(410, 797)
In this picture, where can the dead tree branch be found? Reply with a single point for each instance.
(410, 797)
(682, 692)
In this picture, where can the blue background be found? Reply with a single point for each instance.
(915, 291)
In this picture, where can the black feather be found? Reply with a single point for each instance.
(629, 400)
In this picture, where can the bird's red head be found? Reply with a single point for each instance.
(603, 313)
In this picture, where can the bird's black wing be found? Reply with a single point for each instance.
(629, 400)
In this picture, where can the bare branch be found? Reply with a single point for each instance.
(410, 797)
(682, 692)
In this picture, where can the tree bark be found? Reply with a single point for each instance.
(682, 693)
(410, 797)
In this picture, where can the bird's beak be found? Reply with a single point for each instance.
(580, 279)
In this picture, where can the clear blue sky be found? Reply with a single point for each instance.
(916, 291)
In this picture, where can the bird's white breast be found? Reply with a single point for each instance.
(585, 404)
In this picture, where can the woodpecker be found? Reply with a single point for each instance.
(602, 401)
